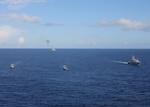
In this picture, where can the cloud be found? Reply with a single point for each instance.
(128, 24)
(7, 32)
(17, 4)
(106, 23)
(22, 18)
(52, 24)
(21, 40)
(125, 24)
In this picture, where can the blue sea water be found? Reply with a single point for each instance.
(96, 78)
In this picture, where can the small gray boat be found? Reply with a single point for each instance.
(134, 61)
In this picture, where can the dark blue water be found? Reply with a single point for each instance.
(94, 79)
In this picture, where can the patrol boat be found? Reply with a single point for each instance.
(134, 61)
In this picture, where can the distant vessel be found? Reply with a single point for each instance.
(53, 49)
(134, 61)
(65, 68)
(12, 66)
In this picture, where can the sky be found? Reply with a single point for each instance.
(90, 24)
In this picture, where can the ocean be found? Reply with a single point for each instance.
(96, 78)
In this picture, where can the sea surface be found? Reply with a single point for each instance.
(96, 78)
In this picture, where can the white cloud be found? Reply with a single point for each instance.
(21, 40)
(22, 18)
(126, 24)
(7, 32)
(17, 4)
(53, 24)
(106, 23)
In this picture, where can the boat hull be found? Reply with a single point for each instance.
(12, 66)
(134, 63)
